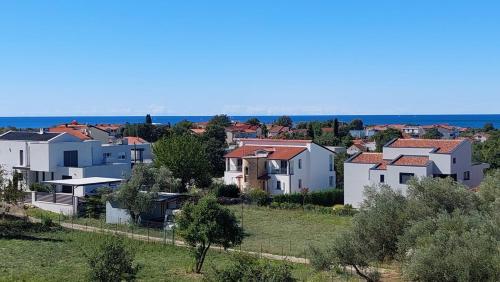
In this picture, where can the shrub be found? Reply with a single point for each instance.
(39, 187)
(258, 197)
(47, 222)
(322, 198)
(112, 262)
(223, 190)
(343, 210)
(247, 268)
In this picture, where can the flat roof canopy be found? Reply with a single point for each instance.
(84, 181)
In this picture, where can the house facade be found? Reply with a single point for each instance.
(43, 156)
(403, 159)
(242, 130)
(280, 166)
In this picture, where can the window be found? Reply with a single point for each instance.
(382, 178)
(278, 185)
(300, 163)
(71, 158)
(330, 181)
(121, 156)
(43, 175)
(106, 155)
(466, 175)
(404, 177)
(52, 176)
(454, 160)
(36, 177)
(283, 167)
(330, 165)
(21, 157)
(300, 183)
(291, 167)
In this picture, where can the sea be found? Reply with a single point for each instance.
(466, 120)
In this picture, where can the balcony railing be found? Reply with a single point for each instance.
(282, 170)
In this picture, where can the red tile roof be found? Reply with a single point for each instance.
(371, 158)
(242, 127)
(441, 146)
(72, 130)
(106, 127)
(135, 140)
(274, 153)
(411, 161)
(368, 158)
(198, 130)
(278, 129)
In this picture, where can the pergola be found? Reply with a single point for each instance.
(82, 182)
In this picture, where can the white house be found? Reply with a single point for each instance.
(42, 156)
(403, 159)
(280, 166)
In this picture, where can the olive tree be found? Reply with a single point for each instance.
(205, 224)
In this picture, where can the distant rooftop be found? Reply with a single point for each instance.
(28, 136)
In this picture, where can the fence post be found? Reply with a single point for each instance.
(173, 235)
(164, 236)
(147, 227)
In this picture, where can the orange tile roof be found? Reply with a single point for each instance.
(411, 161)
(135, 140)
(274, 153)
(278, 129)
(108, 126)
(198, 130)
(72, 130)
(441, 146)
(368, 158)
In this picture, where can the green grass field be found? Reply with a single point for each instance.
(58, 255)
(287, 232)
(281, 232)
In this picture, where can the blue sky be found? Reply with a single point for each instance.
(249, 57)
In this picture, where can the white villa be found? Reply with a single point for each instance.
(280, 166)
(56, 158)
(403, 159)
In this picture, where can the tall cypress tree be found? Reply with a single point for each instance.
(336, 127)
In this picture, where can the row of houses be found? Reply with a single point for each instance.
(410, 131)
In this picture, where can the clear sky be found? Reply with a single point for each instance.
(249, 57)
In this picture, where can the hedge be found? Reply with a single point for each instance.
(326, 198)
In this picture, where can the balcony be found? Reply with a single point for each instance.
(235, 169)
(282, 170)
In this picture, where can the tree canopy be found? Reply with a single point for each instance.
(382, 137)
(356, 124)
(184, 155)
(253, 121)
(432, 133)
(489, 150)
(220, 120)
(205, 224)
(284, 121)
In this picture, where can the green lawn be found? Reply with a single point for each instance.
(281, 232)
(58, 255)
(287, 232)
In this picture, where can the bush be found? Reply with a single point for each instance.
(223, 190)
(112, 262)
(343, 210)
(247, 268)
(322, 198)
(39, 187)
(258, 197)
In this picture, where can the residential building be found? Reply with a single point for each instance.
(413, 131)
(277, 131)
(42, 156)
(280, 166)
(403, 159)
(242, 130)
(481, 137)
(355, 133)
(140, 149)
(84, 131)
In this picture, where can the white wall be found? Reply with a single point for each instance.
(356, 177)
(393, 171)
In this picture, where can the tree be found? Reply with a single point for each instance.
(220, 120)
(432, 133)
(205, 224)
(356, 124)
(310, 130)
(247, 268)
(336, 127)
(327, 139)
(284, 121)
(184, 155)
(112, 262)
(253, 121)
(10, 191)
(452, 247)
(182, 127)
(149, 120)
(265, 131)
(488, 151)
(488, 127)
(339, 160)
(141, 189)
(382, 137)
